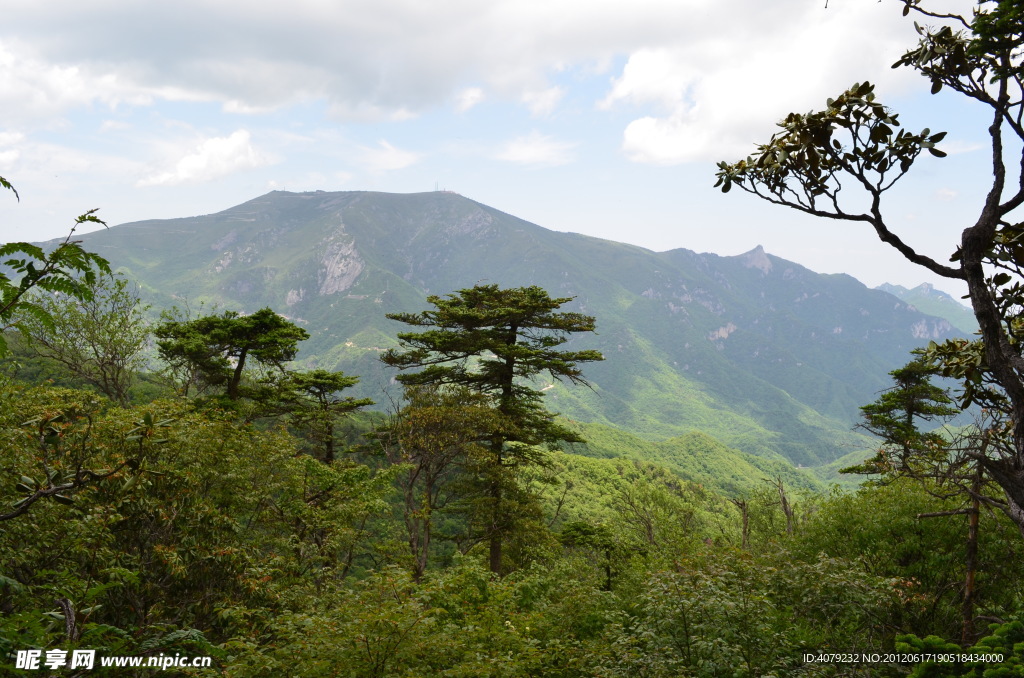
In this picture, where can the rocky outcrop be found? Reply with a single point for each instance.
(340, 265)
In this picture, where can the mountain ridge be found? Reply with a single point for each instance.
(935, 302)
(760, 352)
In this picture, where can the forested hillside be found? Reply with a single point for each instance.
(759, 352)
(180, 528)
(235, 506)
(371, 435)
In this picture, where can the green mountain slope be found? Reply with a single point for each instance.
(927, 299)
(761, 353)
(696, 457)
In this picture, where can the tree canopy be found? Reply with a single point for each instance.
(217, 347)
(895, 418)
(99, 339)
(313, 401)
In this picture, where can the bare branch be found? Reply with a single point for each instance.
(943, 514)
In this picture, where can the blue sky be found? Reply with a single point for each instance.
(598, 117)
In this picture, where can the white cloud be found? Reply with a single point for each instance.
(114, 126)
(368, 112)
(236, 106)
(667, 141)
(958, 146)
(714, 95)
(9, 156)
(536, 149)
(386, 158)
(543, 102)
(43, 161)
(696, 70)
(378, 57)
(213, 158)
(36, 91)
(946, 194)
(468, 98)
(9, 138)
(659, 76)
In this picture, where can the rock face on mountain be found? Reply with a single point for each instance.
(760, 352)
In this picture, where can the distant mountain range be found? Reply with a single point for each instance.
(759, 352)
(927, 299)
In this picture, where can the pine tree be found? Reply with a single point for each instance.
(496, 341)
(895, 418)
(314, 401)
(216, 348)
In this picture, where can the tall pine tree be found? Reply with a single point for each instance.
(895, 417)
(496, 341)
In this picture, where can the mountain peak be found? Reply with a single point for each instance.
(757, 258)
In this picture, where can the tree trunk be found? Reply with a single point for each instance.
(784, 503)
(1010, 478)
(236, 377)
(495, 536)
(967, 637)
(505, 406)
(1004, 362)
(329, 441)
(744, 508)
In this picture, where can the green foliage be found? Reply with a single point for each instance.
(802, 165)
(512, 335)
(459, 622)
(313, 403)
(880, 526)
(1006, 642)
(214, 537)
(99, 339)
(744, 616)
(67, 269)
(437, 439)
(855, 142)
(895, 417)
(213, 350)
(6, 184)
(193, 521)
(62, 456)
(967, 361)
(695, 457)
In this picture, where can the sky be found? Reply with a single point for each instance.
(603, 117)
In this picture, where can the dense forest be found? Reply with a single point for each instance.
(172, 486)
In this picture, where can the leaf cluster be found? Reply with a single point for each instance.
(804, 165)
(68, 269)
(216, 347)
(100, 340)
(496, 341)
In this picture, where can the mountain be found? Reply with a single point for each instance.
(927, 299)
(759, 352)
